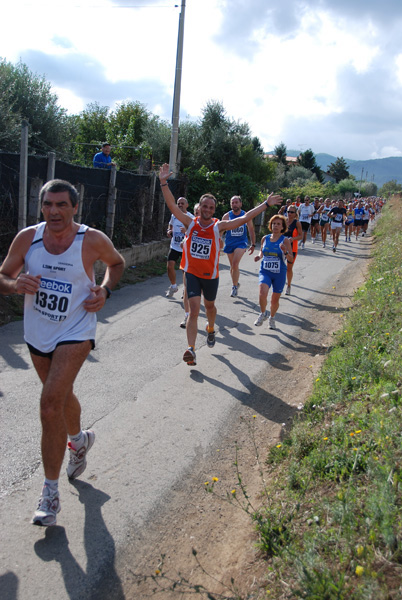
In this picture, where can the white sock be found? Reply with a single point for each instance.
(77, 440)
(53, 484)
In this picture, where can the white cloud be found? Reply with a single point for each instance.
(317, 76)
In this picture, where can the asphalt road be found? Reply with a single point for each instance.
(154, 418)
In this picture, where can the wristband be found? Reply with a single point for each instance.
(108, 291)
(163, 184)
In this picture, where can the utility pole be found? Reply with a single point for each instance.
(173, 166)
(361, 179)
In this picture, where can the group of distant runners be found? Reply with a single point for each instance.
(196, 241)
(52, 265)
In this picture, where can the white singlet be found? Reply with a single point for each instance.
(55, 313)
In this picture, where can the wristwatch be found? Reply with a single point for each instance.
(108, 291)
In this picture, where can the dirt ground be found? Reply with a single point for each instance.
(228, 564)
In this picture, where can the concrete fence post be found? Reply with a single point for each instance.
(111, 203)
(23, 179)
(34, 204)
(51, 165)
(80, 189)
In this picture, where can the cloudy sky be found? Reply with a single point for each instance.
(320, 74)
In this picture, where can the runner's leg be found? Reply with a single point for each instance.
(274, 303)
(192, 322)
(59, 407)
(234, 260)
(263, 297)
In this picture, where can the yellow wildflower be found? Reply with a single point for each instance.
(359, 550)
(325, 439)
(233, 492)
(359, 571)
(215, 479)
(157, 572)
(279, 445)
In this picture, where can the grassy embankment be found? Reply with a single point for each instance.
(331, 525)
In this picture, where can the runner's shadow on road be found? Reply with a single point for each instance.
(275, 360)
(295, 344)
(100, 580)
(9, 586)
(13, 358)
(259, 400)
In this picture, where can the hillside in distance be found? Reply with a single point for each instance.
(378, 170)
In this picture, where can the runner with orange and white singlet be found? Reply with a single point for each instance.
(201, 257)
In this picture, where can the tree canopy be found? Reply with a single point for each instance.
(280, 153)
(390, 187)
(307, 160)
(26, 95)
(339, 169)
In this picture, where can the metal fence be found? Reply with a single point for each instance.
(138, 207)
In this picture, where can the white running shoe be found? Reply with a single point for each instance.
(261, 318)
(313, 240)
(271, 323)
(184, 322)
(287, 293)
(48, 507)
(323, 245)
(302, 245)
(233, 293)
(78, 458)
(171, 290)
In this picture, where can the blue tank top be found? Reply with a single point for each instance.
(273, 259)
(236, 238)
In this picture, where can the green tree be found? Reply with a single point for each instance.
(347, 187)
(125, 130)
(90, 132)
(223, 143)
(157, 136)
(298, 175)
(280, 154)
(339, 169)
(390, 187)
(26, 95)
(10, 125)
(307, 160)
(369, 189)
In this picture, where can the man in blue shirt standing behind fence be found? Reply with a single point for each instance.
(102, 160)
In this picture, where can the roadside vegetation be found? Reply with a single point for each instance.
(331, 522)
